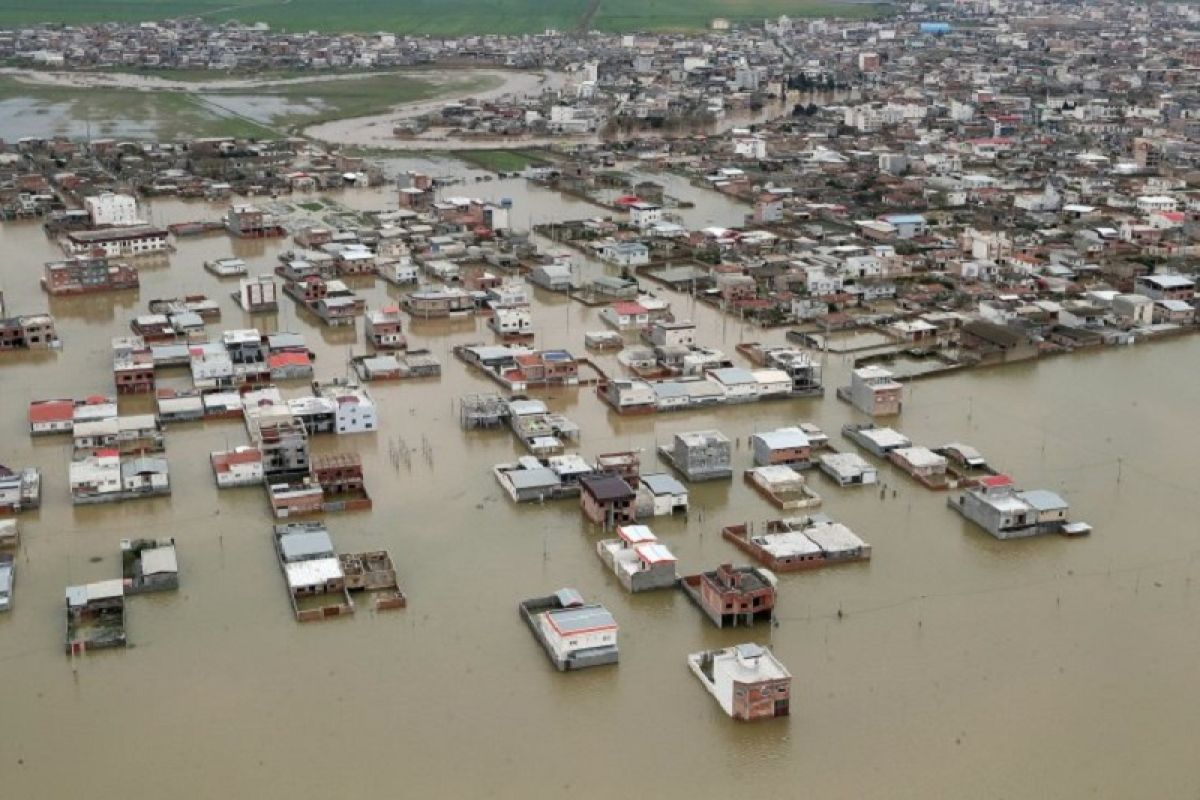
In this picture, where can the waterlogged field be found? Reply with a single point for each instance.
(439, 17)
(36, 109)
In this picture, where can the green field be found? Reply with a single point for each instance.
(261, 112)
(441, 17)
(499, 160)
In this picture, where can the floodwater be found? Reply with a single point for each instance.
(26, 116)
(950, 665)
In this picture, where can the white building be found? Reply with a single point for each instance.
(747, 681)
(644, 215)
(512, 322)
(110, 210)
(355, 411)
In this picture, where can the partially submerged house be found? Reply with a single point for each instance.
(873, 391)
(660, 494)
(787, 545)
(149, 565)
(700, 455)
(848, 469)
(574, 634)
(20, 490)
(731, 596)
(95, 616)
(640, 562)
(373, 573)
(747, 680)
(782, 486)
(788, 446)
(315, 579)
(607, 500)
(1004, 511)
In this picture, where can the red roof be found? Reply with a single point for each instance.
(995, 481)
(629, 308)
(288, 358)
(51, 410)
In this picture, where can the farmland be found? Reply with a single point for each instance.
(439, 17)
(129, 108)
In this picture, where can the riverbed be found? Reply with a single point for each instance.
(950, 665)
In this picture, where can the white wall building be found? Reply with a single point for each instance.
(108, 209)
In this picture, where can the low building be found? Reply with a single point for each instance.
(788, 545)
(640, 562)
(782, 486)
(20, 489)
(607, 500)
(574, 634)
(95, 616)
(659, 494)
(747, 680)
(383, 329)
(374, 573)
(133, 241)
(700, 455)
(848, 469)
(876, 440)
(731, 596)
(873, 391)
(241, 466)
(1006, 512)
(149, 565)
(315, 579)
(88, 275)
(923, 464)
(788, 446)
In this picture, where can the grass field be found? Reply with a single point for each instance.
(441, 17)
(500, 160)
(264, 112)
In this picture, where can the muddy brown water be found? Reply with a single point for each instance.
(950, 665)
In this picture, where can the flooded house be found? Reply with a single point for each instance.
(88, 275)
(731, 596)
(130, 242)
(659, 495)
(10, 534)
(20, 489)
(241, 466)
(848, 469)
(640, 562)
(574, 634)
(315, 579)
(532, 479)
(95, 616)
(355, 410)
(873, 391)
(383, 329)
(340, 478)
(51, 416)
(245, 221)
(445, 301)
(607, 500)
(796, 543)
(149, 565)
(747, 680)
(699, 455)
(374, 573)
(295, 498)
(997, 506)
(924, 465)
(133, 365)
(876, 440)
(281, 439)
(512, 324)
(7, 581)
(787, 446)
(782, 486)
(226, 267)
(258, 295)
(28, 332)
